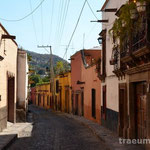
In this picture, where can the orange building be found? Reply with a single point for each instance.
(86, 86)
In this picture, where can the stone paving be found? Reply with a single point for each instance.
(109, 138)
(14, 131)
(60, 131)
(54, 131)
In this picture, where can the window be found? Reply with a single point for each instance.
(104, 103)
(57, 86)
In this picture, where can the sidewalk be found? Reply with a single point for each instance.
(14, 131)
(109, 138)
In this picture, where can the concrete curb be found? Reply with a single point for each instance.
(6, 145)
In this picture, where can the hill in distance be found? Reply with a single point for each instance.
(41, 61)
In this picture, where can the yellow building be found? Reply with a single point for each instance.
(62, 100)
(43, 95)
(63, 92)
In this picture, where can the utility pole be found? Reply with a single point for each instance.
(51, 70)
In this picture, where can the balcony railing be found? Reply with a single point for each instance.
(137, 40)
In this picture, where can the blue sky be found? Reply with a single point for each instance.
(35, 30)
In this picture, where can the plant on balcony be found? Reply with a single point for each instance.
(114, 56)
(141, 5)
(129, 20)
(123, 25)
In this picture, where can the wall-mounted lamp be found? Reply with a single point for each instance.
(1, 58)
(100, 40)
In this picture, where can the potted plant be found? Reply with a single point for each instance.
(141, 5)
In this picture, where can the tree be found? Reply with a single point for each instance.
(34, 79)
(46, 79)
(59, 67)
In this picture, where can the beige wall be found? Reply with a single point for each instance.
(9, 64)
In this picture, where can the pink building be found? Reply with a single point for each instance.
(33, 95)
(86, 86)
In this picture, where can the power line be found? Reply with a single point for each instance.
(58, 20)
(92, 10)
(33, 24)
(42, 22)
(64, 20)
(75, 28)
(15, 20)
(51, 22)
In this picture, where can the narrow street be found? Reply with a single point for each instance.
(54, 131)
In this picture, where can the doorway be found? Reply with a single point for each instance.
(76, 103)
(93, 103)
(11, 100)
(140, 109)
(82, 102)
(67, 100)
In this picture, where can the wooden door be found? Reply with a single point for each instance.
(76, 103)
(11, 100)
(141, 110)
(82, 103)
(94, 103)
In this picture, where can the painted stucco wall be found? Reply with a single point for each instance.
(89, 80)
(76, 70)
(64, 84)
(89, 76)
(8, 67)
(111, 80)
(22, 89)
(44, 92)
(33, 95)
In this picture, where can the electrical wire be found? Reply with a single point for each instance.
(92, 10)
(15, 20)
(65, 17)
(51, 22)
(34, 28)
(42, 23)
(58, 21)
(75, 27)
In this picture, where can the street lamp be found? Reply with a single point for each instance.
(100, 40)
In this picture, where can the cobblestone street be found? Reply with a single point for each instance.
(54, 131)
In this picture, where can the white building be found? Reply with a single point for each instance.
(22, 84)
(110, 83)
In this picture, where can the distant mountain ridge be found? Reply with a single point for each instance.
(41, 61)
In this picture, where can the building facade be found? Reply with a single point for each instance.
(110, 83)
(43, 96)
(8, 78)
(129, 58)
(22, 84)
(86, 86)
(63, 92)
